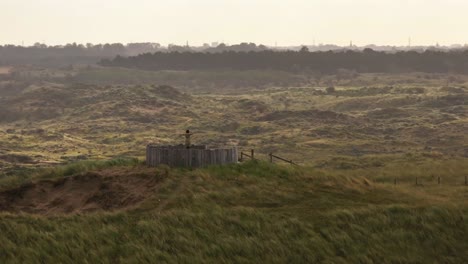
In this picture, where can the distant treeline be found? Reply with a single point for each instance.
(41, 54)
(367, 60)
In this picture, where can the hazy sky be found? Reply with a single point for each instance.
(232, 21)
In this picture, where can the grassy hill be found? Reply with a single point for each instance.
(69, 192)
(252, 212)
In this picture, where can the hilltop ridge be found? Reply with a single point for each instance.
(245, 212)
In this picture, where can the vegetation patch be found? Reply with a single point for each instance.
(388, 113)
(169, 92)
(308, 115)
(250, 212)
(17, 158)
(110, 190)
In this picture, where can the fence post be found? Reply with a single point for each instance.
(271, 157)
(252, 154)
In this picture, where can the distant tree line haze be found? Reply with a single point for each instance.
(41, 54)
(71, 53)
(367, 60)
(243, 56)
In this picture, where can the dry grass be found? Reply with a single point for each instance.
(255, 212)
(342, 207)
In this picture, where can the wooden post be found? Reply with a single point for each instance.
(242, 156)
(252, 154)
(271, 157)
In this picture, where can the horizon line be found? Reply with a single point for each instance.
(352, 44)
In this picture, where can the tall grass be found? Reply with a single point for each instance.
(26, 175)
(386, 235)
(254, 212)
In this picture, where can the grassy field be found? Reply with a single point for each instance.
(379, 116)
(73, 187)
(258, 212)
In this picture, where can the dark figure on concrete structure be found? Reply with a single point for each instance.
(187, 138)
